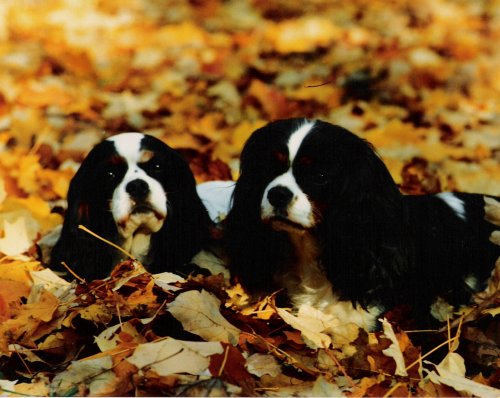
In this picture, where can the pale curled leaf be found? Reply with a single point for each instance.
(461, 383)
(213, 263)
(322, 388)
(262, 364)
(108, 338)
(311, 324)
(172, 356)
(199, 314)
(166, 281)
(492, 210)
(16, 238)
(49, 281)
(394, 351)
(453, 363)
(96, 375)
(320, 329)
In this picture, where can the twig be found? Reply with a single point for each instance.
(223, 365)
(72, 272)
(84, 228)
(23, 361)
(394, 388)
(319, 85)
(429, 353)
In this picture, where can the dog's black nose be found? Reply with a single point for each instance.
(279, 197)
(138, 189)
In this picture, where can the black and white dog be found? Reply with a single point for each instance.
(138, 193)
(315, 211)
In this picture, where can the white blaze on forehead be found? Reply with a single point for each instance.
(456, 204)
(128, 145)
(300, 209)
(295, 140)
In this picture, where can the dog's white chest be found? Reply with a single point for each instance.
(307, 284)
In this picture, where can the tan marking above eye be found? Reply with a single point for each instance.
(305, 161)
(281, 156)
(146, 156)
(116, 160)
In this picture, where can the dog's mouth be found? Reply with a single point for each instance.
(142, 208)
(280, 223)
(145, 208)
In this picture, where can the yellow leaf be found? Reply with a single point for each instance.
(302, 35)
(16, 238)
(243, 131)
(18, 270)
(38, 209)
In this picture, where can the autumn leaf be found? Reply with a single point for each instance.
(172, 356)
(16, 238)
(88, 377)
(394, 351)
(459, 382)
(318, 329)
(262, 364)
(199, 314)
(202, 77)
(167, 281)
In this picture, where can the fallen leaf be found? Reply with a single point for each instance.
(262, 364)
(167, 280)
(92, 377)
(394, 350)
(172, 356)
(310, 327)
(230, 366)
(199, 314)
(461, 383)
(323, 388)
(16, 238)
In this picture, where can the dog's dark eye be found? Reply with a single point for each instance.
(153, 166)
(320, 178)
(110, 174)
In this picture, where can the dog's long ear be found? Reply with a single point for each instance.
(87, 206)
(367, 180)
(187, 226)
(254, 250)
(365, 227)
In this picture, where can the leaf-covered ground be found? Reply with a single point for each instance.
(419, 79)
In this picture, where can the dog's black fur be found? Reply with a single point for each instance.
(376, 246)
(185, 224)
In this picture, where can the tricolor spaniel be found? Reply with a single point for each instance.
(315, 211)
(137, 192)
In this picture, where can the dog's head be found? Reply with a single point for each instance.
(307, 178)
(297, 172)
(137, 192)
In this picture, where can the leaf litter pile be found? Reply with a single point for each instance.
(420, 80)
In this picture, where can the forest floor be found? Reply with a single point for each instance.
(420, 80)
